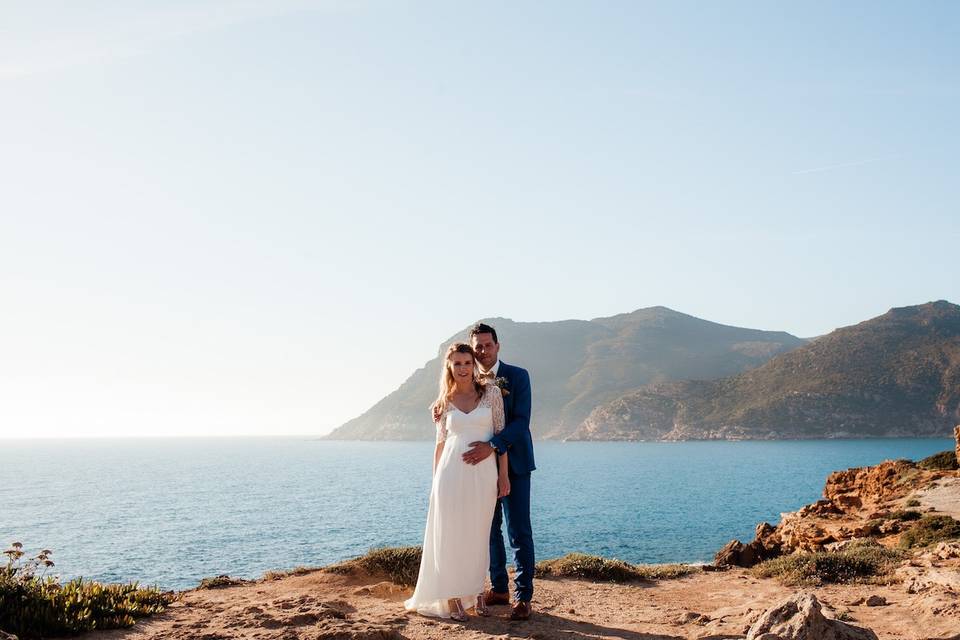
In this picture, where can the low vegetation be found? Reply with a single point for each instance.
(943, 461)
(863, 562)
(34, 604)
(296, 571)
(400, 564)
(218, 582)
(588, 567)
(907, 476)
(930, 529)
(905, 515)
(913, 502)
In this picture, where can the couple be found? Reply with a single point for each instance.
(481, 473)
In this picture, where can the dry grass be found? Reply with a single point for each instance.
(296, 571)
(865, 562)
(587, 567)
(400, 564)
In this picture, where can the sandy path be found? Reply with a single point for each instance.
(944, 497)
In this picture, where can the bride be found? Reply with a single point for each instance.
(456, 543)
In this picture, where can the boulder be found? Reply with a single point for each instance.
(768, 536)
(729, 555)
(800, 618)
(737, 554)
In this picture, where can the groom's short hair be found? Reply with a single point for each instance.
(484, 328)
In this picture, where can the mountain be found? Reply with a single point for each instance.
(577, 365)
(894, 375)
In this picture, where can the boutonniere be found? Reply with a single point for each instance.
(502, 384)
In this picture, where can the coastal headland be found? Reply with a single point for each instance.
(878, 556)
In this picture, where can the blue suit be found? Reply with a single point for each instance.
(516, 440)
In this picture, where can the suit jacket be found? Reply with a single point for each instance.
(515, 437)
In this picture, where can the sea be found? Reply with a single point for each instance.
(169, 512)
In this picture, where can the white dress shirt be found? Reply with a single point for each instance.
(494, 369)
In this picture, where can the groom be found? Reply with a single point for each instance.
(514, 439)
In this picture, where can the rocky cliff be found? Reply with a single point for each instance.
(894, 375)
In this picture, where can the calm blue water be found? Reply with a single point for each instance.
(172, 511)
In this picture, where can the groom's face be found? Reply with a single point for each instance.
(486, 349)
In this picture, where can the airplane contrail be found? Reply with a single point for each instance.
(856, 163)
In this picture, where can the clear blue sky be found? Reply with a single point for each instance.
(245, 217)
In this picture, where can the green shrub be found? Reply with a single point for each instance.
(905, 515)
(943, 461)
(872, 527)
(913, 502)
(862, 562)
(906, 476)
(33, 605)
(930, 529)
(588, 567)
(400, 564)
(218, 582)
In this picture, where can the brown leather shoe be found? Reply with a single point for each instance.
(491, 597)
(521, 610)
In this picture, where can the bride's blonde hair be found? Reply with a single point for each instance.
(447, 383)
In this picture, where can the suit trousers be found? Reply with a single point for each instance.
(516, 508)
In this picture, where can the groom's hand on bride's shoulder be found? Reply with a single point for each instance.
(478, 452)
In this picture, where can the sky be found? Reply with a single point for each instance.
(245, 217)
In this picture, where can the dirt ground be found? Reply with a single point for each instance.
(704, 605)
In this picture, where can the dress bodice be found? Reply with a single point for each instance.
(478, 424)
(482, 423)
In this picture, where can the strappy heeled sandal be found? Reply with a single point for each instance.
(456, 610)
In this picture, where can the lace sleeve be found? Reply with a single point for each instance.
(496, 403)
(442, 428)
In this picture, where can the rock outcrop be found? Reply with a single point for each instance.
(738, 554)
(864, 502)
(801, 618)
(862, 487)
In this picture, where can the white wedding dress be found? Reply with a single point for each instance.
(456, 543)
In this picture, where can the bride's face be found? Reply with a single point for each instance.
(461, 364)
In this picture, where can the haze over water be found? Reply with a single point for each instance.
(173, 511)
